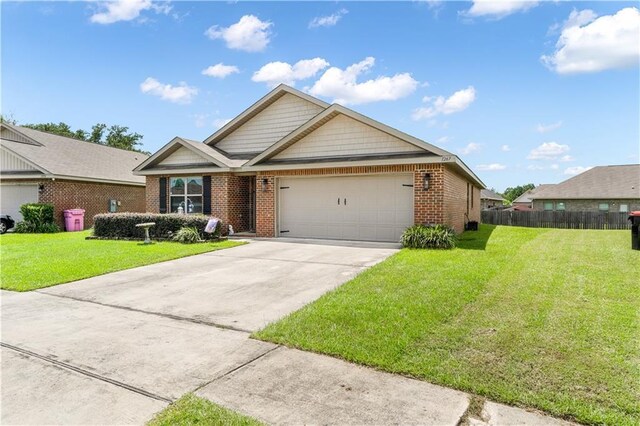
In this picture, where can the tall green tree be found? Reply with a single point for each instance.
(511, 194)
(115, 136)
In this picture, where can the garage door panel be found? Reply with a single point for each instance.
(377, 208)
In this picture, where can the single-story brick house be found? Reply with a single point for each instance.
(614, 189)
(68, 173)
(292, 165)
(524, 202)
(490, 199)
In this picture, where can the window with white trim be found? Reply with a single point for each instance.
(603, 207)
(185, 194)
(560, 206)
(548, 206)
(624, 208)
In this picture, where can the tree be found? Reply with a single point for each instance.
(8, 119)
(116, 136)
(511, 194)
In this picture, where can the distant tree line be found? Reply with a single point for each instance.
(511, 194)
(114, 136)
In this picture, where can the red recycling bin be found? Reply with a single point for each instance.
(74, 220)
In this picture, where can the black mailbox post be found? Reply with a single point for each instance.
(634, 217)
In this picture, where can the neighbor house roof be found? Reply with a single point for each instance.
(487, 194)
(223, 161)
(602, 182)
(526, 197)
(57, 156)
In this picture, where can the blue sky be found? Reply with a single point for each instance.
(521, 91)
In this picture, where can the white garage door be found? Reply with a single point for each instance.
(366, 208)
(13, 196)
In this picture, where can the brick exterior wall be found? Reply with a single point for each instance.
(444, 202)
(92, 197)
(461, 201)
(589, 205)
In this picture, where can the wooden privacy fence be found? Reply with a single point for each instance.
(562, 220)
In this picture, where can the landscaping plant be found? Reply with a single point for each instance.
(123, 225)
(187, 235)
(429, 237)
(38, 218)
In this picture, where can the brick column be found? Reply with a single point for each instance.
(428, 207)
(265, 207)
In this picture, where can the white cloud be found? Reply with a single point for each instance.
(180, 94)
(249, 34)
(493, 167)
(498, 9)
(537, 167)
(587, 44)
(505, 148)
(457, 102)
(576, 170)
(220, 70)
(220, 122)
(275, 73)
(470, 148)
(544, 128)
(327, 21)
(549, 151)
(126, 10)
(566, 158)
(342, 85)
(443, 139)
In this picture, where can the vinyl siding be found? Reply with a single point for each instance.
(182, 156)
(10, 135)
(343, 135)
(270, 125)
(11, 162)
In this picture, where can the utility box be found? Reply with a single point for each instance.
(634, 218)
(113, 206)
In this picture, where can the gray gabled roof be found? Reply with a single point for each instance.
(62, 157)
(602, 182)
(487, 194)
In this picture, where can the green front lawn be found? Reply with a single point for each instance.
(192, 410)
(32, 261)
(538, 318)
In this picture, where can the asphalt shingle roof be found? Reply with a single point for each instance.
(64, 156)
(487, 194)
(527, 196)
(602, 182)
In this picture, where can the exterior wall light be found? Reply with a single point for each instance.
(265, 184)
(425, 181)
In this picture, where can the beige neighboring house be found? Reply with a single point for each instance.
(42, 167)
(292, 165)
(490, 199)
(614, 189)
(525, 201)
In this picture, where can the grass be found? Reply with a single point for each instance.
(33, 261)
(193, 410)
(541, 318)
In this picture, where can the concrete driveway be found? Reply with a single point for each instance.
(117, 348)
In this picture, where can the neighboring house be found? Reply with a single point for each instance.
(525, 202)
(490, 199)
(602, 188)
(68, 173)
(294, 166)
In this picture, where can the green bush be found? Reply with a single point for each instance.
(38, 218)
(429, 236)
(187, 235)
(123, 225)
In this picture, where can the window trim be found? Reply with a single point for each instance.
(547, 203)
(186, 194)
(607, 210)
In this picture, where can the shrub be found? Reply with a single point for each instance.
(187, 235)
(38, 218)
(123, 225)
(429, 236)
